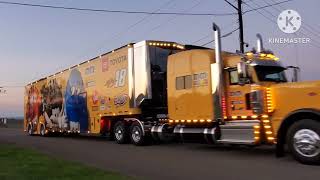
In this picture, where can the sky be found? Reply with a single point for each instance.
(36, 42)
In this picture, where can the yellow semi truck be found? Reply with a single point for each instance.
(159, 90)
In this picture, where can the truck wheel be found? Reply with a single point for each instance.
(30, 130)
(120, 132)
(136, 134)
(304, 141)
(42, 130)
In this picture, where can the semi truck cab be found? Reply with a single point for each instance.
(234, 98)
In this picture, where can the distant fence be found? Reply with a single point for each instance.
(11, 123)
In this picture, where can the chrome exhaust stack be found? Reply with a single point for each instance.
(259, 43)
(217, 83)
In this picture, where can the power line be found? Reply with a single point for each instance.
(223, 36)
(171, 19)
(115, 11)
(118, 34)
(315, 45)
(210, 34)
(272, 20)
(309, 29)
(262, 7)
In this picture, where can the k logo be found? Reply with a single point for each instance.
(289, 21)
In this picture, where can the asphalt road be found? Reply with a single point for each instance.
(168, 161)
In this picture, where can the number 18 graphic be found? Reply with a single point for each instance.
(120, 77)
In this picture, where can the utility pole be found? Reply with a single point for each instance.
(240, 26)
(239, 9)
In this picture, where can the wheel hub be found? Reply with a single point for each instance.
(307, 142)
(119, 133)
(136, 136)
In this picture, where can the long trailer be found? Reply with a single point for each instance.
(162, 90)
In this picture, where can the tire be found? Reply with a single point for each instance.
(30, 130)
(137, 135)
(304, 141)
(120, 133)
(42, 130)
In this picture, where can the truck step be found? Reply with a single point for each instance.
(238, 132)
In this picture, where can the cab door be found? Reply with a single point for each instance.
(237, 96)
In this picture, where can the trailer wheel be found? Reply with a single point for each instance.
(136, 134)
(120, 132)
(30, 130)
(42, 130)
(304, 141)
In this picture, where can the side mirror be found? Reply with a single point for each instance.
(242, 73)
(295, 73)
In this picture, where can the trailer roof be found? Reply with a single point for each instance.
(151, 42)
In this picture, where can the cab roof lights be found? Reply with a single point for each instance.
(262, 55)
(166, 44)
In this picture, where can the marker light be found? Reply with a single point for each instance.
(270, 56)
(249, 54)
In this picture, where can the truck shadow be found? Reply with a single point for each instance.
(189, 146)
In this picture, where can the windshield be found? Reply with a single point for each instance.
(271, 73)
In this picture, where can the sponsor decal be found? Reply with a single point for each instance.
(117, 60)
(235, 107)
(200, 79)
(95, 108)
(235, 93)
(95, 97)
(91, 83)
(236, 102)
(120, 100)
(76, 102)
(90, 70)
(102, 108)
(110, 82)
(119, 80)
(120, 77)
(105, 65)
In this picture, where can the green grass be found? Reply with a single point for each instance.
(18, 163)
